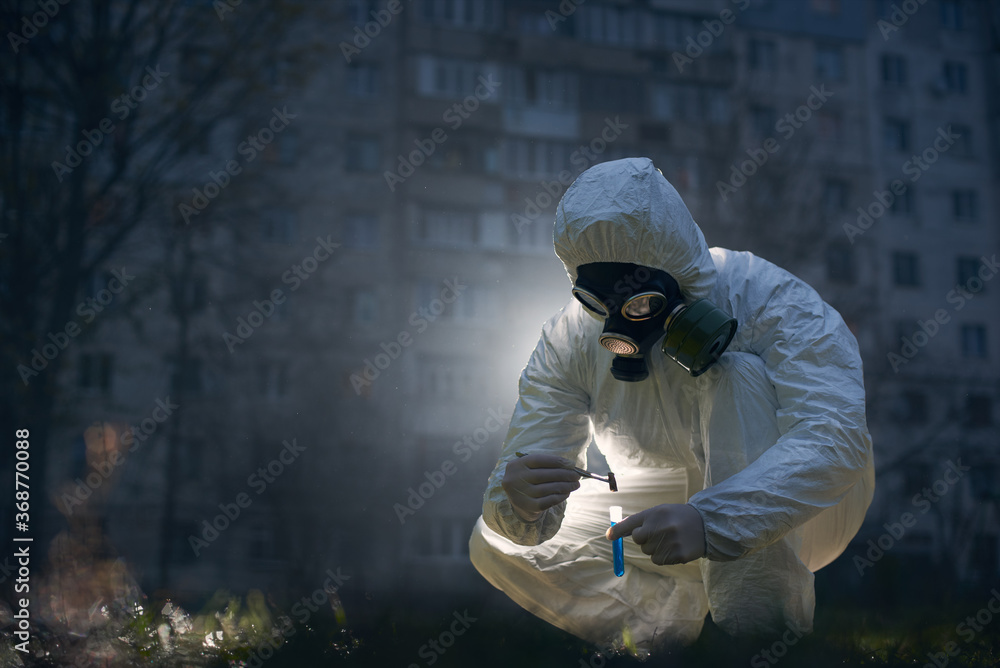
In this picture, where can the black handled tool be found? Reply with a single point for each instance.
(610, 479)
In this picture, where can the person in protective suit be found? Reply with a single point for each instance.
(741, 451)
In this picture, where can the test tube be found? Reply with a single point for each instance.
(617, 547)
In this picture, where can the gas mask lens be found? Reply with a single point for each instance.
(644, 306)
(639, 307)
(591, 302)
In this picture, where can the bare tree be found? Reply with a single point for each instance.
(99, 102)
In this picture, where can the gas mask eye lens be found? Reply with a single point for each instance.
(591, 302)
(645, 306)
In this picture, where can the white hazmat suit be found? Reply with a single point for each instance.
(770, 446)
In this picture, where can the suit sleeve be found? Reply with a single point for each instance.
(823, 447)
(550, 417)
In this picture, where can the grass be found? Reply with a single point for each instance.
(230, 631)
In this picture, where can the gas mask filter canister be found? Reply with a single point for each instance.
(697, 335)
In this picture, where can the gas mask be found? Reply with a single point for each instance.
(638, 305)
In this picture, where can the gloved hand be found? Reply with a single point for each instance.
(672, 533)
(536, 482)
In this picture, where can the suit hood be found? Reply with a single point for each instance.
(626, 211)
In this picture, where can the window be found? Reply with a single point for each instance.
(974, 341)
(681, 102)
(762, 55)
(905, 269)
(902, 204)
(830, 126)
(449, 377)
(474, 14)
(448, 228)
(276, 73)
(362, 80)
(278, 225)
(917, 476)
(663, 31)
(98, 287)
(537, 24)
(984, 557)
(968, 268)
(835, 195)
(911, 407)
(288, 146)
(763, 121)
(616, 26)
(978, 410)
(539, 157)
(94, 371)
(364, 307)
(829, 62)
(964, 204)
(951, 15)
(193, 460)
(450, 77)
(664, 102)
(896, 135)
(272, 379)
(190, 376)
(452, 157)
(361, 230)
(840, 263)
(717, 106)
(442, 538)
(826, 7)
(491, 159)
(963, 142)
(477, 304)
(359, 11)
(543, 88)
(618, 93)
(194, 292)
(894, 71)
(364, 154)
(955, 77)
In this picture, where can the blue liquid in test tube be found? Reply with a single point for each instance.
(617, 547)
